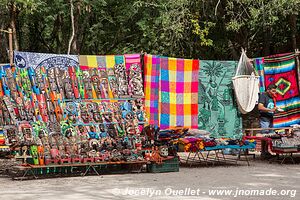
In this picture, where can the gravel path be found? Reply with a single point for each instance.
(202, 180)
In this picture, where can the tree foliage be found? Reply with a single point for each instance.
(206, 29)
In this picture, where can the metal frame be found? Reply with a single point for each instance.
(198, 157)
(30, 170)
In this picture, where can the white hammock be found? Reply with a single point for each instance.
(246, 85)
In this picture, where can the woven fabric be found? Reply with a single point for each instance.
(37, 60)
(179, 93)
(218, 113)
(151, 87)
(134, 73)
(171, 91)
(100, 62)
(281, 70)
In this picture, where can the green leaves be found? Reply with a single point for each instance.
(181, 28)
(204, 32)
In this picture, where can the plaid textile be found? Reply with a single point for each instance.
(179, 93)
(151, 87)
(171, 91)
(281, 70)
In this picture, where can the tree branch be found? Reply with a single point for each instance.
(217, 7)
(73, 28)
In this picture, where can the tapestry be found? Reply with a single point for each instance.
(37, 60)
(281, 70)
(218, 111)
(171, 91)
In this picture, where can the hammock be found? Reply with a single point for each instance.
(246, 85)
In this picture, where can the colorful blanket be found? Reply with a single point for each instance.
(171, 91)
(151, 87)
(36, 60)
(178, 92)
(218, 112)
(281, 71)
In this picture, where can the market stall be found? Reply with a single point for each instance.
(284, 142)
(61, 111)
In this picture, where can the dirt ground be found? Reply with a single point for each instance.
(189, 183)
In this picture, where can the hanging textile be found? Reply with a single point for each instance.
(171, 91)
(37, 60)
(102, 62)
(246, 85)
(134, 72)
(179, 92)
(151, 86)
(281, 71)
(218, 112)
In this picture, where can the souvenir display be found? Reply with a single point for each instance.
(62, 114)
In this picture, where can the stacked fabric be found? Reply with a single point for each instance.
(171, 134)
(190, 144)
(3, 147)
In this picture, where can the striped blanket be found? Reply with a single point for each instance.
(281, 71)
(171, 91)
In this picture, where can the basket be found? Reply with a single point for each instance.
(170, 165)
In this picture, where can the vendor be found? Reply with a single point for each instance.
(267, 108)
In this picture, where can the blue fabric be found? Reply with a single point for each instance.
(220, 147)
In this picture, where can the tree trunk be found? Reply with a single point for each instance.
(73, 27)
(293, 24)
(3, 45)
(75, 44)
(13, 24)
(234, 53)
(267, 42)
(57, 33)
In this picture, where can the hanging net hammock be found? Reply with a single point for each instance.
(245, 84)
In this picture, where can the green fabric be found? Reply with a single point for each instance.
(218, 111)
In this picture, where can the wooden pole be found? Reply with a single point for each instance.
(11, 53)
(297, 66)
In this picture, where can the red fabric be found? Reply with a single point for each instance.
(288, 76)
(210, 144)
